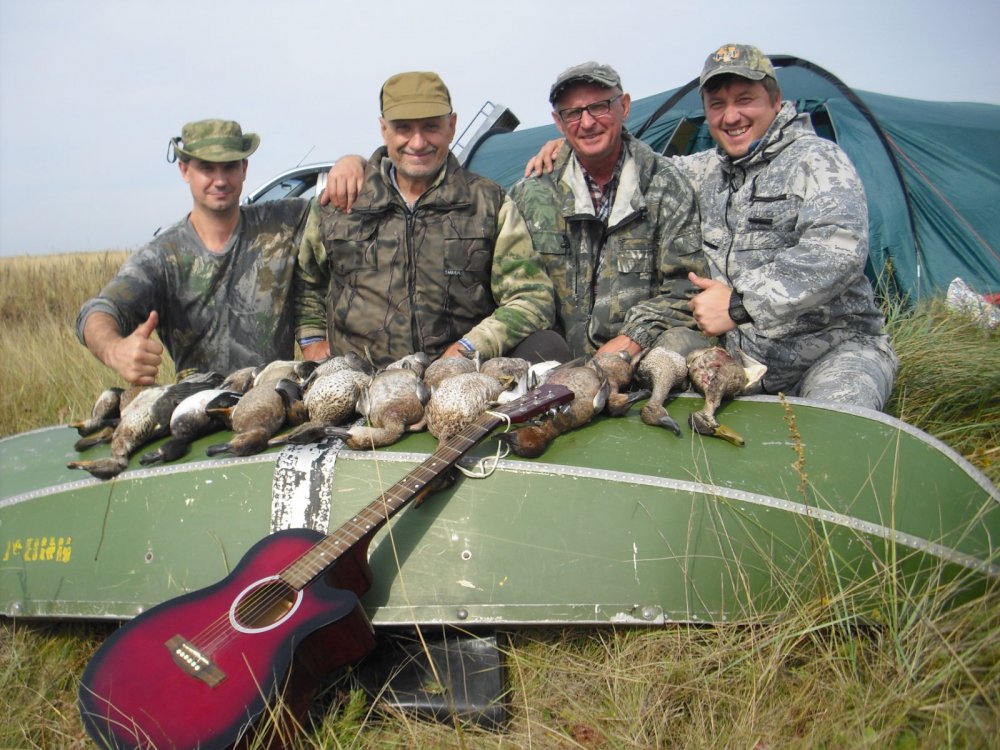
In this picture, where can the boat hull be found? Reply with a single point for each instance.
(617, 523)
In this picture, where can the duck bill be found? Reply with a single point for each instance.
(729, 435)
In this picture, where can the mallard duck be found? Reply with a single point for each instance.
(590, 389)
(619, 368)
(144, 419)
(191, 420)
(718, 376)
(457, 402)
(663, 370)
(239, 381)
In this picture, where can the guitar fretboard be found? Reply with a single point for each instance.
(379, 511)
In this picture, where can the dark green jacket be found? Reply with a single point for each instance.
(629, 277)
(393, 281)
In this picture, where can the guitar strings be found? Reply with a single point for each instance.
(263, 599)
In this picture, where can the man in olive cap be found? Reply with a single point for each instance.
(216, 286)
(432, 258)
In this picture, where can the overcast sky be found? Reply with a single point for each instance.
(91, 92)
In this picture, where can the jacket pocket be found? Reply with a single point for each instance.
(360, 246)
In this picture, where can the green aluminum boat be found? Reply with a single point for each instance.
(617, 523)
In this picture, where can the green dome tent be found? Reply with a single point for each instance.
(931, 170)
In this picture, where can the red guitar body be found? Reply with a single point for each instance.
(136, 694)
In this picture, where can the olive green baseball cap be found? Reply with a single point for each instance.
(741, 60)
(214, 141)
(588, 72)
(413, 96)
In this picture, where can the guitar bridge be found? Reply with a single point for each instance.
(193, 661)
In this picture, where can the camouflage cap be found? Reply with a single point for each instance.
(588, 72)
(414, 95)
(739, 59)
(213, 140)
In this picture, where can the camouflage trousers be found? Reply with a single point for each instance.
(856, 373)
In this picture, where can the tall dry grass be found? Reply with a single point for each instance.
(815, 677)
(47, 375)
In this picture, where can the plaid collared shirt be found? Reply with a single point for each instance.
(604, 197)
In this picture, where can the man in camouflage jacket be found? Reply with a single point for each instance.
(785, 230)
(617, 228)
(216, 286)
(431, 257)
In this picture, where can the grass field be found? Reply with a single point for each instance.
(928, 677)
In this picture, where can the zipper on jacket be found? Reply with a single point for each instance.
(411, 279)
(732, 236)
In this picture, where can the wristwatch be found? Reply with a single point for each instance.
(737, 312)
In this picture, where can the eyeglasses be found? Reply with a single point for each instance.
(594, 109)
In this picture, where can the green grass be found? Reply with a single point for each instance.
(926, 676)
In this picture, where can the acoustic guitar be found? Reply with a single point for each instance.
(238, 662)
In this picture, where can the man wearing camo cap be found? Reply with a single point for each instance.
(216, 286)
(785, 230)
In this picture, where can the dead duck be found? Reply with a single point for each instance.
(349, 361)
(261, 413)
(329, 400)
(445, 367)
(192, 420)
(393, 403)
(717, 376)
(662, 370)
(590, 389)
(619, 368)
(239, 381)
(144, 419)
(281, 369)
(105, 413)
(513, 370)
(417, 362)
(457, 401)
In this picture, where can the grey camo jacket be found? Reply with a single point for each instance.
(787, 227)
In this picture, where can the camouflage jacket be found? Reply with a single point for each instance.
(786, 226)
(629, 277)
(393, 281)
(218, 311)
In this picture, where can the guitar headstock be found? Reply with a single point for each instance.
(535, 402)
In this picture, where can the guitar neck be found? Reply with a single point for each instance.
(385, 506)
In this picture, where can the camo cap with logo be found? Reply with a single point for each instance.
(741, 60)
(214, 141)
(414, 96)
(588, 72)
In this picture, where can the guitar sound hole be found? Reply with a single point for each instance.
(265, 605)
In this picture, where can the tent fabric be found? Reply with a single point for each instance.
(939, 224)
